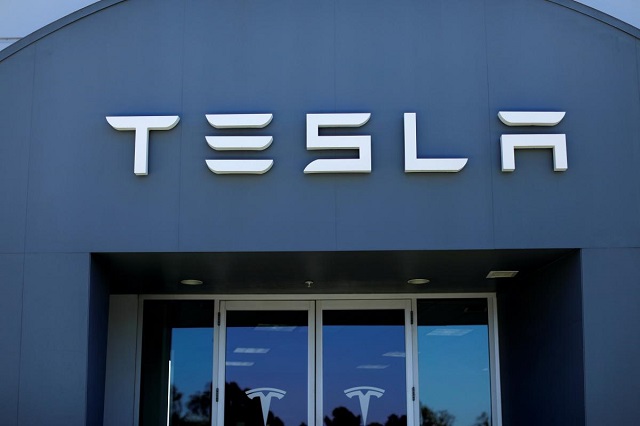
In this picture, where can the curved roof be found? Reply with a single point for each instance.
(623, 14)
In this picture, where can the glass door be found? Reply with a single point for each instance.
(266, 364)
(318, 363)
(363, 351)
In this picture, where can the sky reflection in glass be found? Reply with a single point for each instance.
(453, 360)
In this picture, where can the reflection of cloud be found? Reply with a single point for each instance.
(274, 327)
(395, 354)
(238, 364)
(251, 350)
(456, 332)
(373, 367)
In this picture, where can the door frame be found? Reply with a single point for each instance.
(252, 305)
(355, 304)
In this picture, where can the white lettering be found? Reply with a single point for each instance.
(239, 143)
(556, 142)
(414, 164)
(362, 143)
(142, 125)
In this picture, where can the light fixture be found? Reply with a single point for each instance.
(418, 281)
(309, 283)
(502, 274)
(191, 282)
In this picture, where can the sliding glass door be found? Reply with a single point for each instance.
(266, 364)
(363, 351)
(273, 362)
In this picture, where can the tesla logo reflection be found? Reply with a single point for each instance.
(265, 395)
(364, 394)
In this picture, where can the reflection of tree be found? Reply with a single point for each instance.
(435, 418)
(343, 417)
(239, 409)
(176, 405)
(394, 420)
(199, 404)
(198, 408)
(482, 420)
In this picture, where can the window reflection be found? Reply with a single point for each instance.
(177, 363)
(453, 362)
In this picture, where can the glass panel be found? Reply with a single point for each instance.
(363, 357)
(177, 363)
(453, 362)
(266, 370)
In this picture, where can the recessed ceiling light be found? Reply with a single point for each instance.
(502, 274)
(418, 281)
(191, 282)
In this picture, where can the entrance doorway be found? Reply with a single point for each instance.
(326, 362)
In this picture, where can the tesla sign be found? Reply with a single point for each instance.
(143, 125)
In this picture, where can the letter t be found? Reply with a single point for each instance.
(142, 125)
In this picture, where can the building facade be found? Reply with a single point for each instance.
(339, 213)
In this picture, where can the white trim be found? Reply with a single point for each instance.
(222, 340)
(279, 305)
(317, 349)
(311, 362)
(214, 359)
(415, 378)
(494, 361)
(138, 372)
(408, 364)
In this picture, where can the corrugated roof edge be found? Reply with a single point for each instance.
(600, 16)
(55, 26)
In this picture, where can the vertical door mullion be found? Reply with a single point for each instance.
(494, 362)
(311, 365)
(415, 376)
(408, 353)
(319, 364)
(222, 338)
(216, 358)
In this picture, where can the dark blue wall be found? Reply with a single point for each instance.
(97, 344)
(611, 296)
(53, 344)
(11, 278)
(455, 65)
(541, 361)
